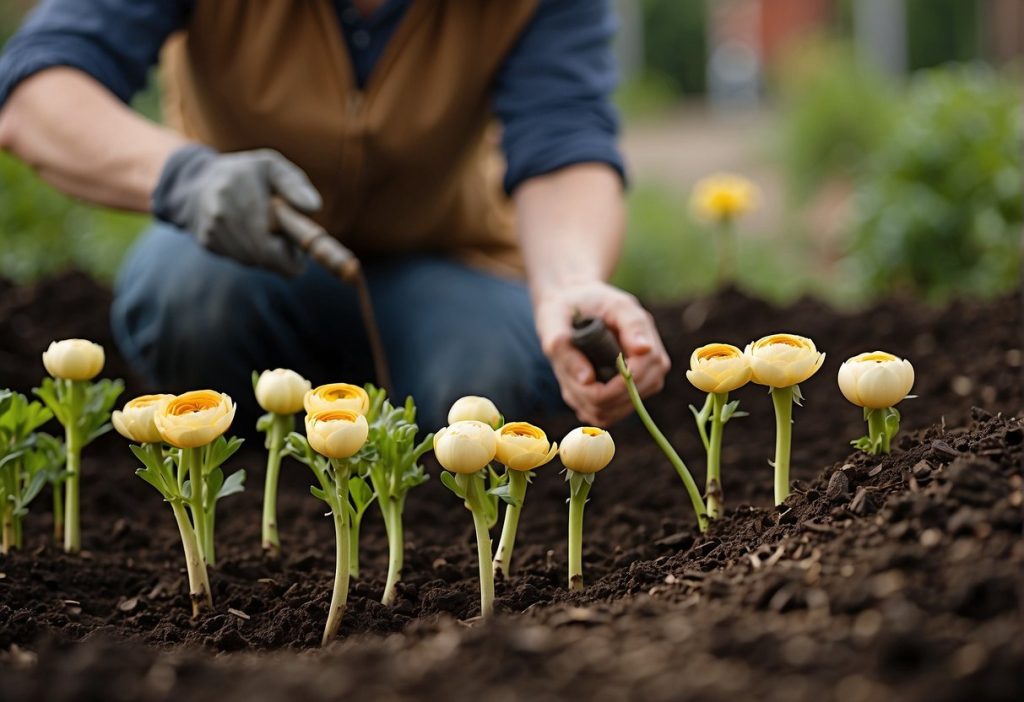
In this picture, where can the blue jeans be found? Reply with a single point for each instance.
(187, 319)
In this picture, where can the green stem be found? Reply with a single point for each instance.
(339, 596)
(279, 429)
(192, 458)
(18, 532)
(7, 540)
(782, 398)
(716, 500)
(877, 431)
(665, 446)
(518, 481)
(577, 501)
(209, 548)
(58, 510)
(396, 549)
(198, 579)
(726, 253)
(72, 517)
(472, 487)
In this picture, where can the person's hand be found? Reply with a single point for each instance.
(223, 200)
(594, 402)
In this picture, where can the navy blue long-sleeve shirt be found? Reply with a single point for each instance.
(552, 95)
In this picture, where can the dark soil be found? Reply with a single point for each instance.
(881, 578)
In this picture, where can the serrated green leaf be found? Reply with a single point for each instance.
(234, 483)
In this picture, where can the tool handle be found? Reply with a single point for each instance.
(596, 341)
(314, 240)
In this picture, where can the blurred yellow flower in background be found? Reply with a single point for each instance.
(722, 198)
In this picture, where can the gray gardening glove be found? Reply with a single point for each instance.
(223, 200)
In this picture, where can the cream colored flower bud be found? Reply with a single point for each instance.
(587, 449)
(135, 421)
(337, 433)
(73, 359)
(477, 409)
(194, 419)
(522, 446)
(337, 396)
(718, 368)
(783, 360)
(465, 446)
(281, 391)
(876, 380)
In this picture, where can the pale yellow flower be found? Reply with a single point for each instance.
(587, 449)
(337, 396)
(522, 446)
(783, 360)
(876, 380)
(724, 197)
(281, 391)
(135, 422)
(73, 359)
(465, 446)
(718, 368)
(336, 433)
(195, 418)
(473, 407)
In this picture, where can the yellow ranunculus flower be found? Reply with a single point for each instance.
(194, 419)
(465, 446)
(783, 360)
(478, 409)
(281, 391)
(718, 368)
(336, 433)
(135, 421)
(337, 396)
(876, 380)
(723, 197)
(587, 449)
(73, 359)
(522, 446)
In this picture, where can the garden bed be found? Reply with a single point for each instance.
(880, 577)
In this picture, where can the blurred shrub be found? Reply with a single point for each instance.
(675, 43)
(43, 232)
(938, 210)
(645, 95)
(835, 111)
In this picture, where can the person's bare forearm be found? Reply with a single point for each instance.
(83, 141)
(571, 225)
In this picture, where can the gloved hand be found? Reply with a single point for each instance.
(223, 200)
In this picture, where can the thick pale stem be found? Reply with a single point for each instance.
(339, 596)
(396, 550)
(716, 500)
(782, 398)
(209, 548)
(877, 432)
(279, 428)
(198, 580)
(72, 517)
(576, 504)
(192, 458)
(517, 482)
(472, 487)
(665, 446)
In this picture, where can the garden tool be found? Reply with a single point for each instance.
(340, 262)
(592, 337)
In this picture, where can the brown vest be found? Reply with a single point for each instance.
(408, 164)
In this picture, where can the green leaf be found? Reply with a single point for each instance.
(255, 379)
(214, 482)
(319, 494)
(156, 481)
(235, 483)
(448, 480)
(33, 488)
(264, 424)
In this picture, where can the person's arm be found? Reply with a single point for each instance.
(571, 225)
(85, 142)
(565, 174)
